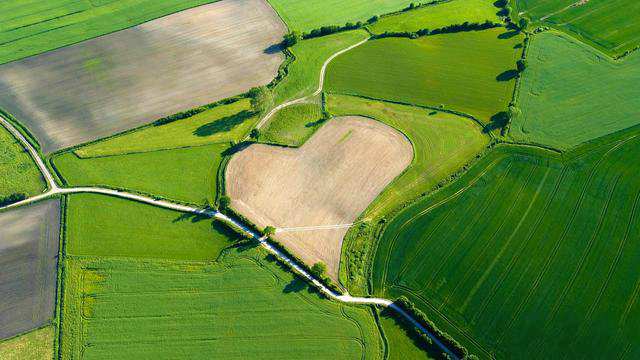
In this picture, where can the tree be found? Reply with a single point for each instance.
(523, 23)
(255, 133)
(290, 39)
(373, 19)
(260, 98)
(225, 201)
(319, 269)
(269, 230)
(521, 65)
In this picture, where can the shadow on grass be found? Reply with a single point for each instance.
(236, 148)
(296, 285)
(507, 75)
(224, 124)
(431, 350)
(194, 218)
(509, 34)
(314, 123)
(498, 121)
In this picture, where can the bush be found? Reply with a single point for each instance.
(466, 26)
(331, 29)
(523, 23)
(290, 39)
(254, 134)
(269, 230)
(12, 199)
(225, 201)
(260, 98)
(319, 269)
(521, 65)
(373, 19)
(453, 345)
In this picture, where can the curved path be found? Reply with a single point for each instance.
(323, 70)
(55, 190)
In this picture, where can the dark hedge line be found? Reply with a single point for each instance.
(466, 26)
(12, 199)
(191, 112)
(328, 282)
(453, 345)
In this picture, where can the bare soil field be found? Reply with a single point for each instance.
(29, 238)
(330, 180)
(125, 79)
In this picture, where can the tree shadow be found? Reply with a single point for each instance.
(194, 218)
(507, 75)
(296, 285)
(224, 124)
(273, 49)
(247, 245)
(508, 35)
(236, 148)
(518, 46)
(498, 121)
(314, 123)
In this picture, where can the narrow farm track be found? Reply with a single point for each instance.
(55, 190)
(303, 99)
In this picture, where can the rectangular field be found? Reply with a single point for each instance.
(35, 345)
(29, 238)
(31, 27)
(240, 308)
(610, 25)
(99, 225)
(471, 72)
(131, 77)
(310, 14)
(570, 93)
(437, 16)
(528, 253)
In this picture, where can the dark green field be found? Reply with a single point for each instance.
(529, 253)
(471, 72)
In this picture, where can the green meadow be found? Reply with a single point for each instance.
(570, 93)
(31, 27)
(293, 125)
(19, 173)
(243, 307)
(34, 345)
(528, 253)
(609, 25)
(99, 225)
(437, 16)
(470, 72)
(311, 14)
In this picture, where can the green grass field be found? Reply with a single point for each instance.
(608, 25)
(35, 345)
(437, 16)
(182, 174)
(570, 93)
(528, 253)
(30, 27)
(18, 171)
(311, 14)
(242, 307)
(402, 340)
(99, 225)
(222, 124)
(471, 72)
(443, 143)
(304, 72)
(293, 125)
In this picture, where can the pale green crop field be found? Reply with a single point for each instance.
(570, 93)
(34, 345)
(437, 16)
(310, 14)
(18, 172)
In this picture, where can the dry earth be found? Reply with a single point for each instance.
(28, 262)
(329, 180)
(118, 81)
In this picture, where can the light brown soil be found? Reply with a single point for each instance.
(115, 82)
(330, 180)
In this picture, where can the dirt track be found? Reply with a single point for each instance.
(131, 77)
(329, 180)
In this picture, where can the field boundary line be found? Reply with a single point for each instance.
(214, 214)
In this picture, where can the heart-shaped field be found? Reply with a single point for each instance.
(311, 194)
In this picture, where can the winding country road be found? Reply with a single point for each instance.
(55, 190)
(303, 99)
